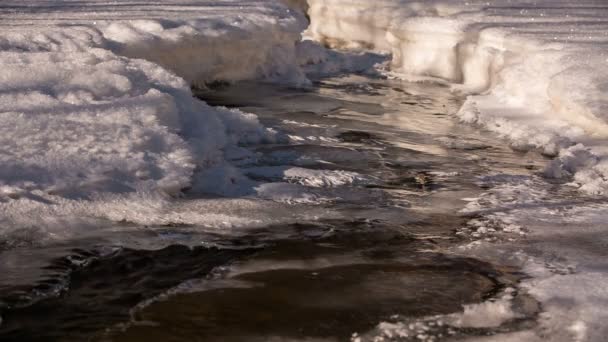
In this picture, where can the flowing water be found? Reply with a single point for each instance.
(363, 188)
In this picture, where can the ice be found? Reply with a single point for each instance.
(563, 251)
(201, 41)
(309, 177)
(291, 194)
(316, 60)
(534, 72)
(484, 315)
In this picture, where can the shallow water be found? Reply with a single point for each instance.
(342, 255)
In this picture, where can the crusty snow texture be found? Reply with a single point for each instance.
(95, 97)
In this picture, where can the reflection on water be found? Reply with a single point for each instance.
(382, 166)
(326, 280)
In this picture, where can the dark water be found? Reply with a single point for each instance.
(324, 283)
(378, 251)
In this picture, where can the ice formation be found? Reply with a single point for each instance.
(535, 71)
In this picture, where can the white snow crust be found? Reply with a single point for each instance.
(97, 119)
(535, 71)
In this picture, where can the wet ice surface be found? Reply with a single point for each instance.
(348, 222)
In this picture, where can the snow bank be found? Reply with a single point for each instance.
(96, 112)
(535, 71)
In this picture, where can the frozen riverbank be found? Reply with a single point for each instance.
(536, 71)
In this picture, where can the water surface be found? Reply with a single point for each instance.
(340, 258)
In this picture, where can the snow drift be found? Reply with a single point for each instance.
(96, 107)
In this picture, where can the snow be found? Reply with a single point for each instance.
(309, 177)
(489, 314)
(484, 315)
(563, 250)
(96, 112)
(534, 71)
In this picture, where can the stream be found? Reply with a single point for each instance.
(357, 207)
